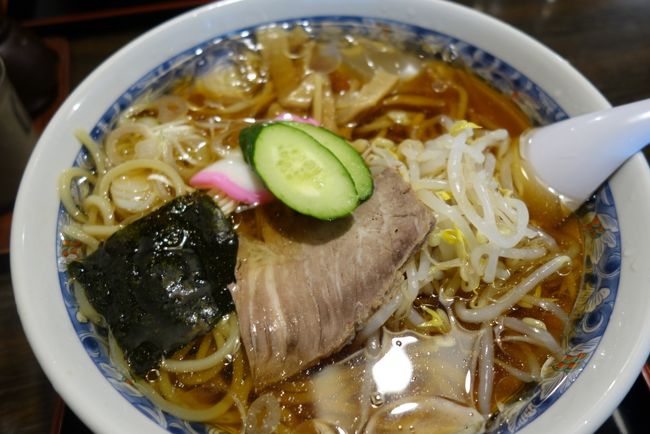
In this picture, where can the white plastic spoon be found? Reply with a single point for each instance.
(573, 157)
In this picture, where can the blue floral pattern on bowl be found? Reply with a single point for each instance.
(603, 245)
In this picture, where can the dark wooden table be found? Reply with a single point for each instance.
(608, 40)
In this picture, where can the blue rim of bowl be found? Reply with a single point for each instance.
(599, 219)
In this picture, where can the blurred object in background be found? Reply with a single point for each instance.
(38, 13)
(17, 139)
(30, 65)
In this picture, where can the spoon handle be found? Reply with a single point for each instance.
(573, 157)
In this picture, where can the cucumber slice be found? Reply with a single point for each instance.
(346, 154)
(299, 171)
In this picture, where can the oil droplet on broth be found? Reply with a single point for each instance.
(152, 375)
(376, 399)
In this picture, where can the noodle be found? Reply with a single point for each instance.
(204, 415)
(94, 149)
(214, 359)
(78, 233)
(134, 165)
(101, 204)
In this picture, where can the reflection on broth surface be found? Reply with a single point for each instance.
(471, 316)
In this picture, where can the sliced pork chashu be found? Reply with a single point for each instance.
(304, 291)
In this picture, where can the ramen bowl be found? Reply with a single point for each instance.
(611, 328)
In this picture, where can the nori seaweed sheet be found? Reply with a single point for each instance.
(162, 280)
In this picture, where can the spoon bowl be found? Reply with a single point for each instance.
(573, 157)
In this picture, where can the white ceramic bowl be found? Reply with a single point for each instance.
(70, 353)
